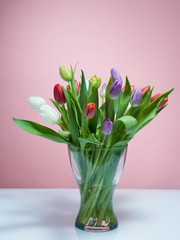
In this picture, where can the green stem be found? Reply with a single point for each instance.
(97, 158)
(85, 127)
(109, 107)
(93, 203)
(104, 207)
(65, 113)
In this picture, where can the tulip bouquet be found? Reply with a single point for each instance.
(91, 125)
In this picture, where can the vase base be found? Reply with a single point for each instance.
(96, 229)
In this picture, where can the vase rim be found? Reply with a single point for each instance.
(98, 147)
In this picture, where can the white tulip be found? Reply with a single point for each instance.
(49, 114)
(87, 84)
(103, 91)
(36, 102)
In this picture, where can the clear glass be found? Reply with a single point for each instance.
(97, 171)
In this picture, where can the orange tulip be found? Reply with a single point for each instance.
(89, 110)
(132, 88)
(145, 89)
(163, 103)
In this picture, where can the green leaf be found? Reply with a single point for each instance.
(123, 126)
(111, 110)
(59, 108)
(90, 89)
(73, 84)
(103, 107)
(39, 130)
(83, 92)
(146, 93)
(93, 98)
(64, 134)
(99, 121)
(84, 141)
(129, 122)
(72, 119)
(125, 98)
(76, 115)
(77, 106)
(116, 104)
(122, 143)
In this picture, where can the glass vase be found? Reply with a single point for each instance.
(97, 171)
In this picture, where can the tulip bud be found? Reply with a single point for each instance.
(103, 91)
(65, 73)
(145, 89)
(96, 82)
(49, 114)
(163, 103)
(77, 86)
(87, 85)
(107, 126)
(132, 88)
(136, 97)
(36, 102)
(59, 94)
(89, 110)
(115, 75)
(115, 89)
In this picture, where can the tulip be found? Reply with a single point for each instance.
(89, 110)
(145, 89)
(115, 75)
(59, 94)
(163, 103)
(36, 102)
(96, 82)
(87, 84)
(65, 73)
(49, 114)
(77, 86)
(103, 91)
(115, 89)
(107, 126)
(136, 97)
(132, 88)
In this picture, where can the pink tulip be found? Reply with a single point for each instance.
(77, 86)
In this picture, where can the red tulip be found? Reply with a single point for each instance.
(163, 103)
(132, 88)
(59, 94)
(77, 86)
(145, 89)
(89, 110)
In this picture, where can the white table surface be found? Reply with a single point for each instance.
(49, 214)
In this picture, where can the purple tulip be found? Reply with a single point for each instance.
(107, 126)
(136, 97)
(115, 75)
(115, 89)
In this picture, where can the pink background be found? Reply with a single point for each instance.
(140, 38)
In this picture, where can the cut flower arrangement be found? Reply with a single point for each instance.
(97, 133)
